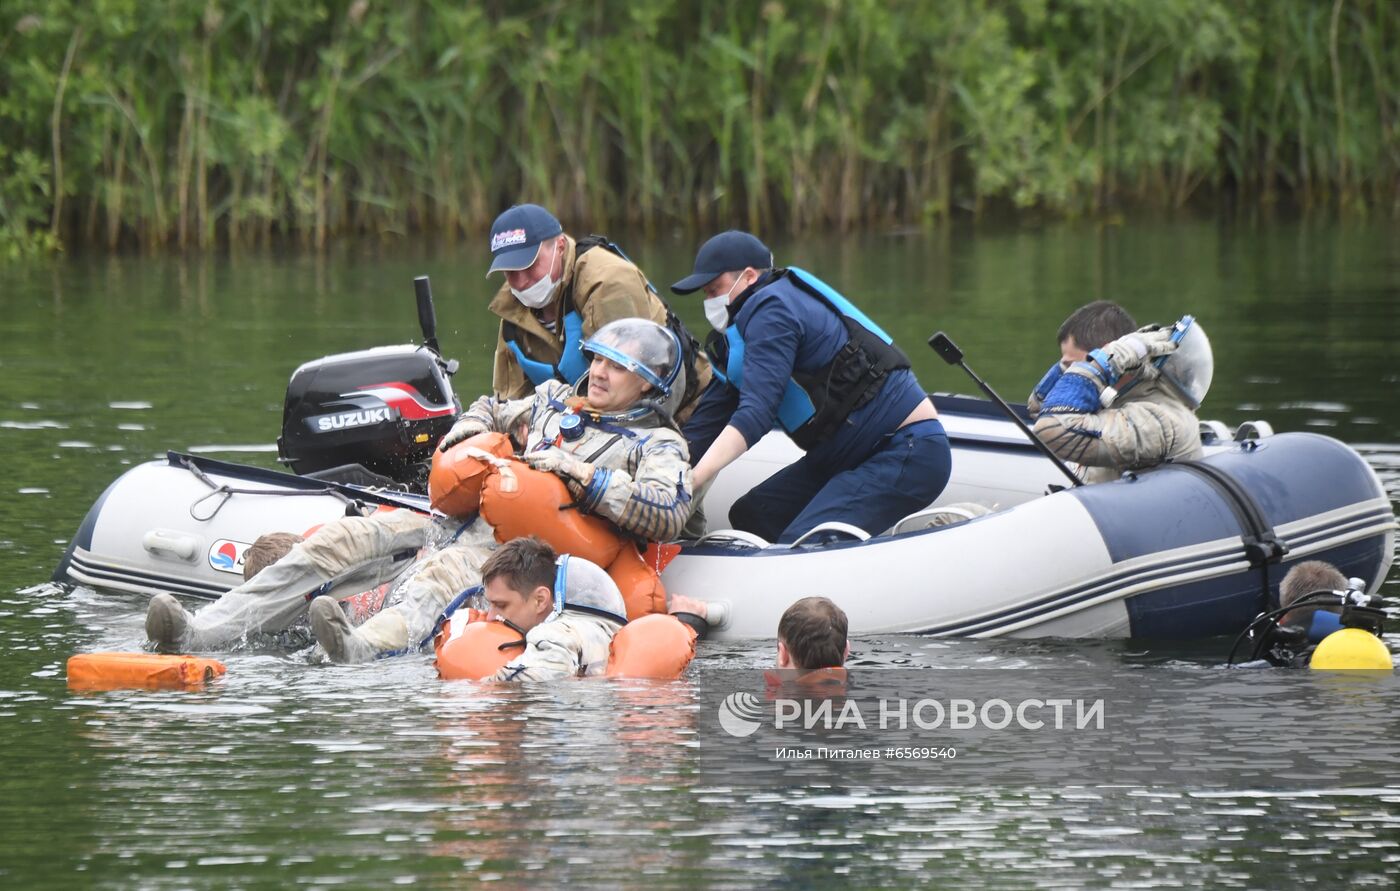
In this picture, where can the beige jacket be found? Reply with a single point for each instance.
(605, 288)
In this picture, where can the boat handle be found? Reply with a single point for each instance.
(168, 541)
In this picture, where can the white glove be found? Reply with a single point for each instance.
(461, 431)
(557, 461)
(1132, 350)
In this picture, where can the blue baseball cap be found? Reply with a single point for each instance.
(726, 252)
(516, 236)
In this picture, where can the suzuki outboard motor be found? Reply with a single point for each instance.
(373, 417)
(370, 417)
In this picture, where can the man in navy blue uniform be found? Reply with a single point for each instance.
(794, 353)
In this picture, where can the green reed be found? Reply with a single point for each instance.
(192, 123)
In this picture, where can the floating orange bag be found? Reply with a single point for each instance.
(480, 650)
(149, 671)
(454, 483)
(518, 500)
(657, 646)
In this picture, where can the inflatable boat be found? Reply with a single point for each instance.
(1185, 550)
(181, 524)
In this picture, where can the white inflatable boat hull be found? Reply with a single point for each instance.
(1181, 551)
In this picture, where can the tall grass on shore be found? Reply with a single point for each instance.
(194, 122)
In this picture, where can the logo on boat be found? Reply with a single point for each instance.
(740, 714)
(227, 556)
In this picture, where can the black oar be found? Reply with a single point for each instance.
(427, 317)
(943, 345)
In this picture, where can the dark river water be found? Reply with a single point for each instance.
(287, 773)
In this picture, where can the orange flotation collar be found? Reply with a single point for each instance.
(148, 671)
(475, 650)
(518, 500)
(454, 482)
(656, 646)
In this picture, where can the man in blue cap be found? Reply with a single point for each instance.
(795, 353)
(559, 292)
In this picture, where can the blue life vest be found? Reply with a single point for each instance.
(814, 404)
(572, 363)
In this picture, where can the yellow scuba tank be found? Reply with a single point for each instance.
(1351, 648)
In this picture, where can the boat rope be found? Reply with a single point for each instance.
(225, 492)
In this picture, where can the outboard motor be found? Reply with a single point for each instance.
(371, 417)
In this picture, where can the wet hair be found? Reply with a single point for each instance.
(267, 550)
(814, 631)
(1097, 324)
(524, 564)
(1305, 578)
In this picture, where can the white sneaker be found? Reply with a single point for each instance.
(335, 634)
(167, 623)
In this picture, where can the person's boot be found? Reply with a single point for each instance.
(335, 634)
(167, 623)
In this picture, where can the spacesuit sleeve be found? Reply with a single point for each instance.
(506, 415)
(1130, 436)
(654, 502)
(544, 659)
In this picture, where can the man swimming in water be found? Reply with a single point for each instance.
(567, 608)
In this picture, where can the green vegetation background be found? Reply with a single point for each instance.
(191, 123)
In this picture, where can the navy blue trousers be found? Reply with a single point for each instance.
(906, 473)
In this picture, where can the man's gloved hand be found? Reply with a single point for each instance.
(1133, 350)
(1084, 387)
(557, 461)
(1159, 340)
(463, 430)
(1042, 389)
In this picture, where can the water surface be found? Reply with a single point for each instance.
(291, 773)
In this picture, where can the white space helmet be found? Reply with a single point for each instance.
(1191, 366)
(646, 349)
(582, 585)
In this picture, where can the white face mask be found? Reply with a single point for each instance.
(717, 308)
(538, 294)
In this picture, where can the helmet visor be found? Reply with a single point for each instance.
(643, 347)
(1192, 366)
